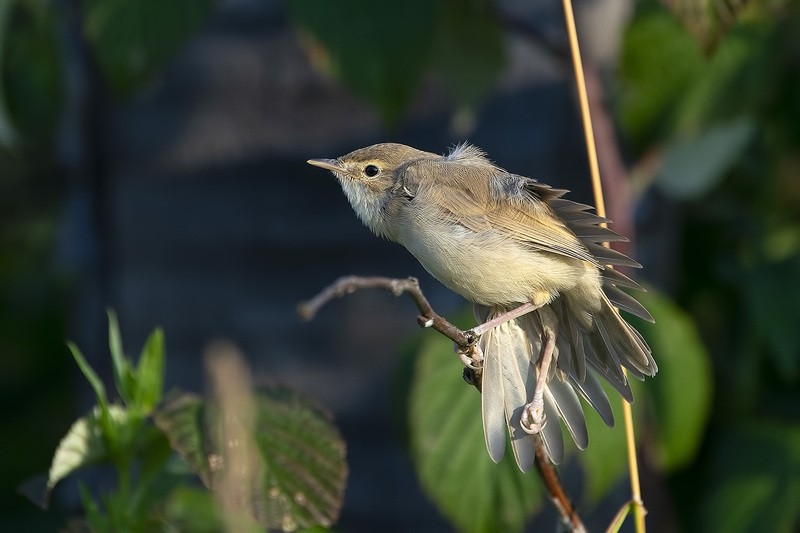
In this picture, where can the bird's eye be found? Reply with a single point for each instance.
(371, 170)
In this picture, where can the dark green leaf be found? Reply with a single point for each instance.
(682, 390)
(88, 372)
(155, 481)
(94, 518)
(182, 420)
(716, 88)
(756, 471)
(304, 459)
(123, 374)
(134, 39)
(30, 71)
(378, 49)
(150, 373)
(450, 455)
(469, 51)
(195, 510)
(772, 294)
(659, 58)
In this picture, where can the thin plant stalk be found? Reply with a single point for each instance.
(597, 188)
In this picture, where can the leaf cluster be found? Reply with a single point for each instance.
(172, 456)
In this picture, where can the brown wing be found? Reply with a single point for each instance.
(482, 197)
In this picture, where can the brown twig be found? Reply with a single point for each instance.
(464, 340)
(427, 319)
(558, 495)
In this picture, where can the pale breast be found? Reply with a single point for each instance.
(486, 267)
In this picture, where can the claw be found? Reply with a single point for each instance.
(472, 357)
(532, 418)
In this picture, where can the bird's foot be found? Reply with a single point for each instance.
(472, 357)
(532, 418)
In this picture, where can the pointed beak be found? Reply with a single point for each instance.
(334, 165)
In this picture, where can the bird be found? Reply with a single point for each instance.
(543, 286)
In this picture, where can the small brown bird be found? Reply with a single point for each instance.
(531, 263)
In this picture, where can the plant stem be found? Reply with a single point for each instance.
(597, 187)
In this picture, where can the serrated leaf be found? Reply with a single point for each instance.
(304, 459)
(695, 164)
(682, 391)
(182, 420)
(123, 374)
(369, 47)
(756, 480)
(449, 453)
(150, 373)
(83, 445)
(134, 39)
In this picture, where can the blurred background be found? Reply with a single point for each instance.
(152, 160)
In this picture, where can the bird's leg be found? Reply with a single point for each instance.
(523, 309)
(532, 418)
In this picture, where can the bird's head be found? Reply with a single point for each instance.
(368, 175)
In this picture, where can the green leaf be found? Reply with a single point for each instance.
(695, 164)
(7, 134)
(682, 391)
(469, 51)
(134, 39)
(756, 474)
(302, 453)
(150, 374)
(123, 374)
(182, 420)
(449, 453)
(83, 445)
(772, 294)
(88, 372)
(370, 47)
(94, 518)
(718, 90)
(155, 481)
(30, 71)
(304, 459)
(191, 509)
(658, 60)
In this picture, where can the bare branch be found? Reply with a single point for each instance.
(428, 317)
(465, 342)
(552, 483)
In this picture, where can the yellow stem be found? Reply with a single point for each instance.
(597, 187)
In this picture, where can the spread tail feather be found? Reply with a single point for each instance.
(511, 352)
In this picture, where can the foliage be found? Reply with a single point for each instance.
(297, 465)
(461, 41)
(727, 129)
